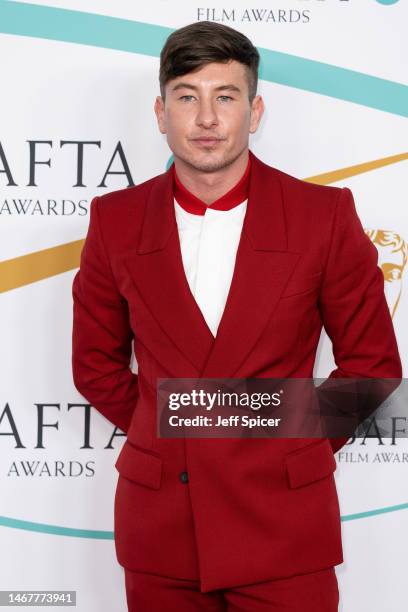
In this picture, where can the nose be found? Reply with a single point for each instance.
(206, 115)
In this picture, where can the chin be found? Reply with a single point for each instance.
(208, 162)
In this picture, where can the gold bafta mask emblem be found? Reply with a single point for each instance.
(392, 258)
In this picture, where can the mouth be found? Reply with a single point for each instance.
(206, 141)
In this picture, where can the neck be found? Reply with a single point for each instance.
(209, 186)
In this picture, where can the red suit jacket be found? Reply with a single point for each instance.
(252, 509)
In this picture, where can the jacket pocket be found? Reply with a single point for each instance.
(139, 465)
(310, 463)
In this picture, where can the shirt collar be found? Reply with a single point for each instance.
(232, 198)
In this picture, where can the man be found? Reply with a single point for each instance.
(223, 267)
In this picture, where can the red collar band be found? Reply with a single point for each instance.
(236, 195)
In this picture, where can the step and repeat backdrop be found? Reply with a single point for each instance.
(79, 80)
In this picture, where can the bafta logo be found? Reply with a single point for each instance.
(392, 259)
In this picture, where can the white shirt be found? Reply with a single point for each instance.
(209, 245)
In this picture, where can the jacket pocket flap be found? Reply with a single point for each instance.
(310, 463)
(139, 465)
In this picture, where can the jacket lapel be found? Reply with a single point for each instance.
(156, 268)
(263, 266)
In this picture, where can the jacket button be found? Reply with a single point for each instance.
(184, 477)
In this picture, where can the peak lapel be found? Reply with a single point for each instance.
(263, 266)
(156, 269)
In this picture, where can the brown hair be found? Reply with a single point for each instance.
(192, 46)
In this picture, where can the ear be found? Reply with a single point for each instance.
(159, 110)
(257, 110)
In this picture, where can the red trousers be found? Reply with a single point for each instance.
(316, 592)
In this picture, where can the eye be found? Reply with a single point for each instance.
(391, 272)
(186, 96)
(226, 98)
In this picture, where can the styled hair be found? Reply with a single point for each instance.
(192, 46)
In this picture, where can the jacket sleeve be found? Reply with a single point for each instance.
(356, 317)
(101, 334)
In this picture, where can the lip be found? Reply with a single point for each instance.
(206, 141)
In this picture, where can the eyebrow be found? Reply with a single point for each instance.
(228, 87)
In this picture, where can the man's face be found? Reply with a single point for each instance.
(207, 116)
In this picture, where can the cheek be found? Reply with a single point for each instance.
(392, 289)
(236, 123)
(178, 125)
